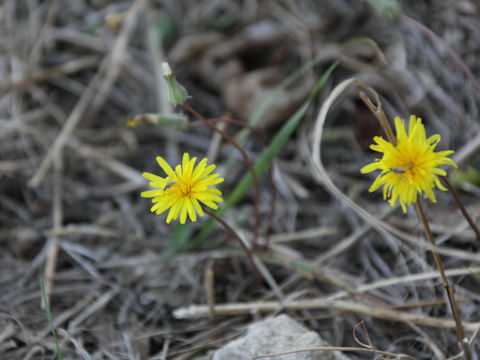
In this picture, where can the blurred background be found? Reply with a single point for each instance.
(74, 72)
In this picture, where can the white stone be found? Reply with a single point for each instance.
(275, 335)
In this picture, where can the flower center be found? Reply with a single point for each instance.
(185, 188)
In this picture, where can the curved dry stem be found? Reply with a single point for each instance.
(460, 205)
(320, 173)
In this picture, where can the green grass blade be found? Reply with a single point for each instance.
(180, 235)
(49, 317)
(472, 272)
(265, 159)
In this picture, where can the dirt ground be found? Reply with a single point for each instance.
(73, 73)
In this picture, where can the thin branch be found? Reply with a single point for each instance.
(452, 54)
(462, 208)
(245, 158)
(263, 141)
(242, 244)
(355, 307)
(463, 341)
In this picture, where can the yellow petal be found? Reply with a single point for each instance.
(400, 129)
(197, 207)
(173, 213)
(188, 169)
(152, 177)
(183, 212)
(371, 167)
(210, 204)
(151, 193)
(197, 172)
(191, 211)
(185, 161)
(164, 165)
(178, 171)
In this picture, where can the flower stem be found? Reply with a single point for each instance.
(460, 206)
(263, 141)
(245, 158)
(242, 244)
(449, 290)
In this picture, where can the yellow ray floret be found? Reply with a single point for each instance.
(183, 189)
(410, 166)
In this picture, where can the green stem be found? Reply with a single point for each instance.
(49, 318)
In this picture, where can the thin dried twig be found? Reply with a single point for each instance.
(439, 40)
(342, 349)
(69, 67)
(200, 311)
(247, 162)
(462, 340)
(53, 242)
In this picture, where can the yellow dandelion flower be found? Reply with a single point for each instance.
(182, 190)
(410, 166)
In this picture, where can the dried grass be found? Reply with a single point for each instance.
(70, 210)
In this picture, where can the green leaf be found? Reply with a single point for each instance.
(49, 317)
(265, 159)
(469, 175)
(166, 31)
(472, 272)
(389, 9)
(222, 22)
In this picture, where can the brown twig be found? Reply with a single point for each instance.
(263, 141)
(209, 285)
(353, 306)
(376, 110)
(461, 206)
(463, 341)
(245, 158)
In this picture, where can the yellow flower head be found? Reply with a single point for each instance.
(410, 165)
(182, 189)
